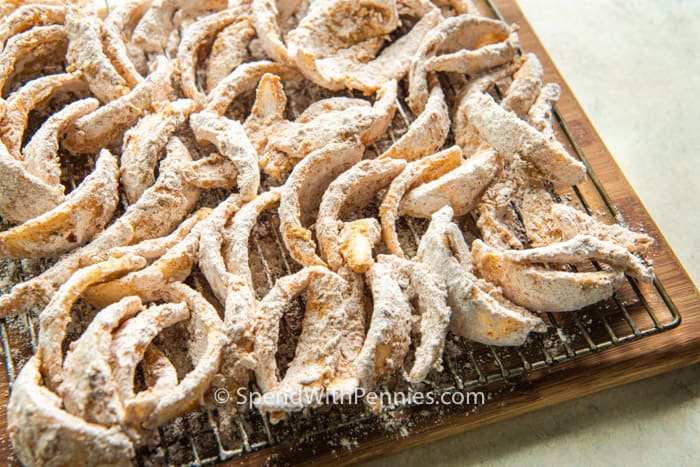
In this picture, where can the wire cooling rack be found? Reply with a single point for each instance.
(634, 312)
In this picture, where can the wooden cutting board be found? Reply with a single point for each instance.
(535, 390)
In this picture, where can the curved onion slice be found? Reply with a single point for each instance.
(233, 144)
(540, 289)
(337, 53)
(463, 44)
(30, 16)
(557, 222)
(156, 213)
(525, 88)
(152, 31)
(329, 328)
(40, 155)
(121, 22)
(88, 389)
(84, 212)
(22, 195)
(428, 290)
(265, 18)
(508, 135)
(144, 142)
(287, 144)
(177, 255)
(302, 193)
(194, 37)
(389, 335)
(85, 53)
(128, 346)
(224, 262)
(421, 171)
(427, 133)
(479, 311)
(43, 432)
(244, 78)
(27, 46)
(583, 248)
(107, 124)
(460, 189)
(230, 49)
(27, 98)
(356, 185)
(54, 319)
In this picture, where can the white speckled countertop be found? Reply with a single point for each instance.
(635, 67)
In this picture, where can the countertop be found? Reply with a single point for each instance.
(635, 67)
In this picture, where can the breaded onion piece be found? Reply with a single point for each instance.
(29, 16)
(508, 135)
(525, 88)
(85, 53)
(302, 193)
(27, 98)
(213, 171)
(582, 248)
(154, 248)
(22, 195)
(84, 212)
(464, 44)
(540, 289)
(230, 49)
(559, 222)
(159, 374)
(501, 205)
(206, 346)
(287, 144)
(116, 51)
(211, 259)
(233, 144)
(173, 265)
(357, 240)
(88, 388)
(152, 31)
(40, 155)
(354, 187)
(144, 142)
(389, 335)
(479, 311)
(267, 113)
(223, 257)
(156, 213)
(421, 171)
(460, 189)
(428, 291)
(26, 46)
(107, 124)
(43, 433)
(128, 346)
(244, 78)
(324, 332)
(540, 113)
(265, 15)
(427, 133)
(193, 38)
(121, 22)
(224, 262)
(466, 136)
(336, 53)
(55, 318)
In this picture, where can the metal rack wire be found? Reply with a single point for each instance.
(634, 312)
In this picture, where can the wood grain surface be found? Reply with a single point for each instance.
(536, 390)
